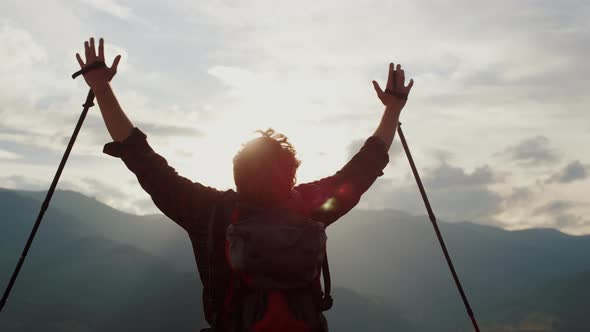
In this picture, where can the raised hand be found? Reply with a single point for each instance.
(99, 77)
(396, 93)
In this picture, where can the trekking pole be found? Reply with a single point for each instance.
(89, 103)
(436, 230)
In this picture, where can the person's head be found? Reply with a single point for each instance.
(265, 168)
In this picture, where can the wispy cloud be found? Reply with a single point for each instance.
(454, 193)
(571, 172)
(9, 155)
(532, 151)
(560, 214)
(111, 7)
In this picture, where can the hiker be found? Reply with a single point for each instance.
(235, 296)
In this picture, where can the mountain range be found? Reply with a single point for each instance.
(94, 268)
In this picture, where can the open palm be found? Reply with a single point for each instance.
(102, 75)
(396, 92)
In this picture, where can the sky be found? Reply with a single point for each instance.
(496, 121)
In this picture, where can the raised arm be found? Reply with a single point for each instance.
(330, 198)
(182, 200)
(394, 98)
(116, 121)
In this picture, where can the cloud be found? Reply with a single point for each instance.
(447, 176)
(146, 206)
(20, 182)
(553, 207)
(101, 189)
(230, 67)
(570, 173)
(460, 195)
(455, 195)
(355, 146)
(7, 155)
(558, 214)
(33, 108)
(518, 197)
(532, 151)
(479, 196)
(19, 48)
(169, 130)
(127, 197)
(339, 119)
(111, 7)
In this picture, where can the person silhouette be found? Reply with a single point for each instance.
(265, 177)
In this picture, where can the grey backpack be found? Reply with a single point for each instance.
(276, 257)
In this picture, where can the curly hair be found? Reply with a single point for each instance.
(265, 168)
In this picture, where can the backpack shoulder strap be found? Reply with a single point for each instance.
(327, 301)
(211, 299)
(216, 232)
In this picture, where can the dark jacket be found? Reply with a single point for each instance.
(190, 204)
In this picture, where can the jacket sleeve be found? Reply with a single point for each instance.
(182, 200)
(328, 199)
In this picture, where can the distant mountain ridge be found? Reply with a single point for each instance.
(96, 268)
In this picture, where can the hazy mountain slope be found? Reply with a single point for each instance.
(559, 305)
(397, 256)
(93, 267)
(71, 282)
(155, 234)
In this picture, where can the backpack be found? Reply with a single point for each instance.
(276, 257)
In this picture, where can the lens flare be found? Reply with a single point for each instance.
(329, 205)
